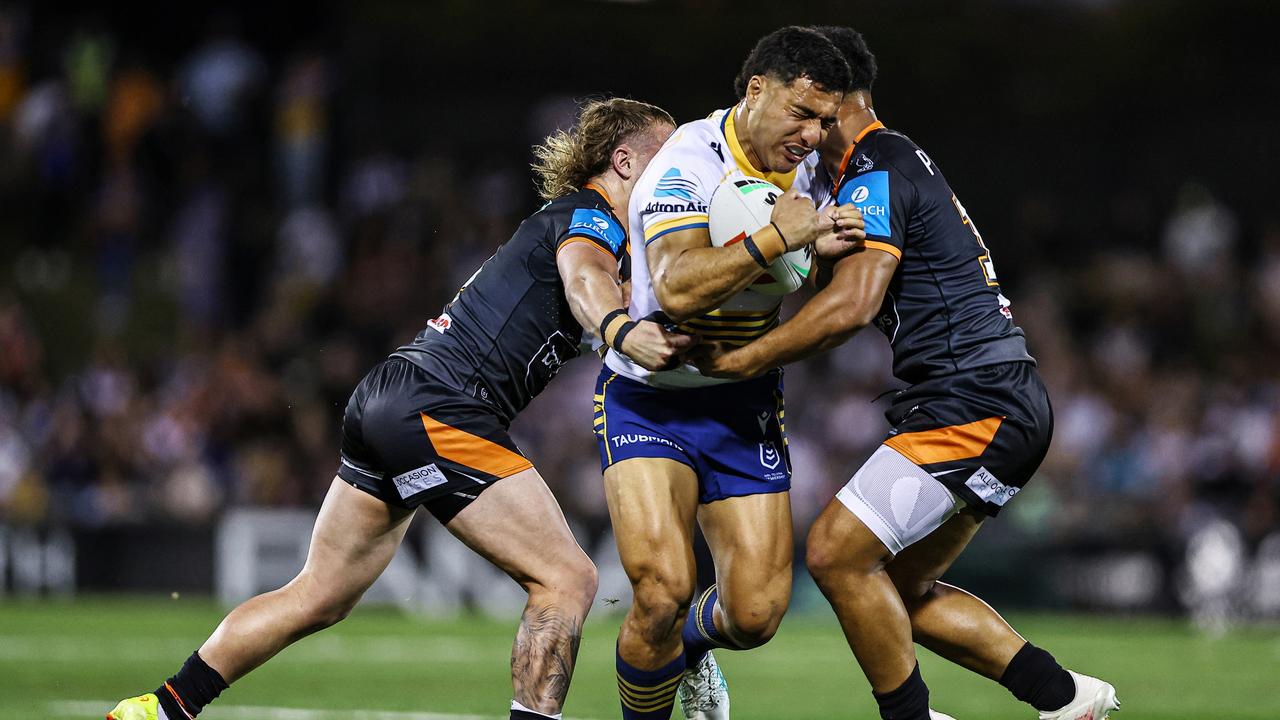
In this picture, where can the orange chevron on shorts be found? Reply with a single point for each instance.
(473, 451)
(954, 442)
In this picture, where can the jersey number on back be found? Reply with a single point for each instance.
(984, 260)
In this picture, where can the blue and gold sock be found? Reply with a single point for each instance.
(648, 694)
(700, 633)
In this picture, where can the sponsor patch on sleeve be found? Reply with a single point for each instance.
(870, 194)
(597, 225)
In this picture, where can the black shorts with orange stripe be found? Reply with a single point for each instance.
(410, 440)
(981, 432)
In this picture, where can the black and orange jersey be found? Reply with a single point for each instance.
(509, 329)
(943, 311)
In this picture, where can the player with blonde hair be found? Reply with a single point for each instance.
(427, 427)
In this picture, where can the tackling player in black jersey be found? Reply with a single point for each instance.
(428, 426)
(968, 432)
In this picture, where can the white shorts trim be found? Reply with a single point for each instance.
(897, 500)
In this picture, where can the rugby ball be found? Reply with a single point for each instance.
(743, 205)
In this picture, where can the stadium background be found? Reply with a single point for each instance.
(214, 219)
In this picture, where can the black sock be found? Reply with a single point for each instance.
(527, 715)
(1034, 677)
(909, 702)
(184, 695)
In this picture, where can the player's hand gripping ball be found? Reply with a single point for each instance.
(741, 206)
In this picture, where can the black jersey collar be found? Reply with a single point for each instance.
(848, 154)
(600, 191)
(608, 204)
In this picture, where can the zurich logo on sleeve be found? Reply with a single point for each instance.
(597, 224)
(870, 194)
(671, 184)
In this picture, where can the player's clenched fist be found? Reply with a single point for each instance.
(796, 219)
(844, 231)
(653, 348)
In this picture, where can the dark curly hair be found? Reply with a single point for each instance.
(791, 52)
(862, 63)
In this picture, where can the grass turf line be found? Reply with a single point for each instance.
(381, 661)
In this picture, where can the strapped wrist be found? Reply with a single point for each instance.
(754, 251)
(764, 256)
(606, 320)
(781, 237)
(614, 327)
(622, 333)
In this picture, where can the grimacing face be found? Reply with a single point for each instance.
(787, 121)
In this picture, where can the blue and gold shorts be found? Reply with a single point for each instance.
(732, 435)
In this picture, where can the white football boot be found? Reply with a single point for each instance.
(703, 693)
(935, 715)
(1094, 700)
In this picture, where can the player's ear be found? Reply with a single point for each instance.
(623, 161)
(755, 88)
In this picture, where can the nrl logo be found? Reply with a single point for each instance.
(769, 456)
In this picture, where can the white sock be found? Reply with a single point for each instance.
(517, 706)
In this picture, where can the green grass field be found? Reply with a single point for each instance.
(74, 659)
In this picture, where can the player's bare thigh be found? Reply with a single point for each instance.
(750, 538)
(839, 539)
(854, 535)
(920, 565)
(354, 538)
(518, 526)
(652, 504)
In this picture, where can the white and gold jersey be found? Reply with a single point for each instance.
(673, 194)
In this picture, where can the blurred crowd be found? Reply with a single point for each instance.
(197, 270)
